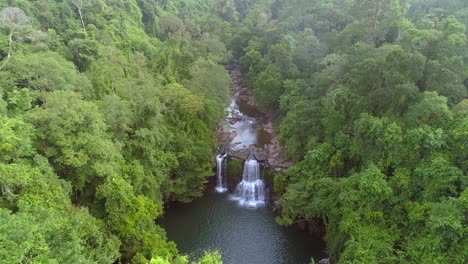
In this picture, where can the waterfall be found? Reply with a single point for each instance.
(220, 185)
(251, 190)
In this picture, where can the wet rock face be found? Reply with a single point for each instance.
(242, 154)
(225, 137)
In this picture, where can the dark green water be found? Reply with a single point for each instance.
(241, 235)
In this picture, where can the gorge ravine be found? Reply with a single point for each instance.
(242, 230)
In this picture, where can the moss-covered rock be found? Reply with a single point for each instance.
(234, 172)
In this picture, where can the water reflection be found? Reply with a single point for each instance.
(241, 235)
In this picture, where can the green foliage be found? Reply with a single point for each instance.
(210, 258)
(268, 87)
(41, 73)
(370, 98)
(39, 223)
(210, 80)
(15, 139)
(235, 168)
(71, 133)
(280, 183)
(108, 109)
(83, 52)
(97, 133)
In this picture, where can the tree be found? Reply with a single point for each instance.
(374, 13)
(42, 73)
(268, 87)
(210, 80)
(71, 133)
(80, 5)
(83, 52)
(227, 10)
(380, 152)
(39, 222)
(15, 21)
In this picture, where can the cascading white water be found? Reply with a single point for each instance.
(251, 190)
(233, 109)
(220, 185)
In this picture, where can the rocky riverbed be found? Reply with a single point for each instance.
(248, 130)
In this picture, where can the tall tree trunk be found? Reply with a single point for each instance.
(10, 45)
(403, 4)
(376, 19)
(81, 17)
(10, 50)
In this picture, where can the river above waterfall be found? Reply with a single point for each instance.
(241, 235)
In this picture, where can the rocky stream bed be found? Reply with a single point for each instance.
(233, 140)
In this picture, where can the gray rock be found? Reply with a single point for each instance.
(324, 261)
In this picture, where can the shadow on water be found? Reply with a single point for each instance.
(242, 235)
(248, 109)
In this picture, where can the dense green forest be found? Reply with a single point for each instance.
(109, 110)
(371, 102)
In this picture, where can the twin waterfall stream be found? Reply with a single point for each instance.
(251, 191)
